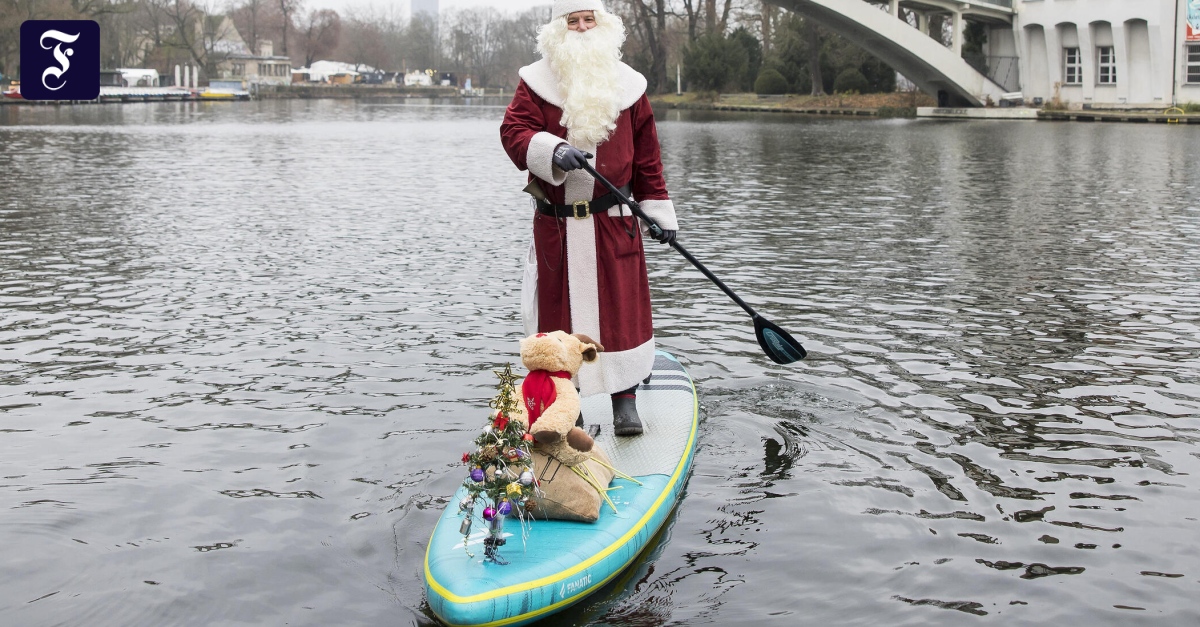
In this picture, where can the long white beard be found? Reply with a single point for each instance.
(587, 66)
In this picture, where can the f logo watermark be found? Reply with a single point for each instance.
(60, 60)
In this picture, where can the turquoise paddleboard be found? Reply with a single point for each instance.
(558, 563)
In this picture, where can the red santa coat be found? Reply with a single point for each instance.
(591, 275)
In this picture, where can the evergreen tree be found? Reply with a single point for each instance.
(714, 63)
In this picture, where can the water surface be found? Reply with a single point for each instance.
(242, 346)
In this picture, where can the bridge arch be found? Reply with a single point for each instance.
(927, 63)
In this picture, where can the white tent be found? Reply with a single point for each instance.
(321, 70)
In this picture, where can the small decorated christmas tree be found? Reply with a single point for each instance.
(501, 469)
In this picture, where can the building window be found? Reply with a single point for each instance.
(1106, 65)
(1193, 63)
(1072, 67)
(239, 69)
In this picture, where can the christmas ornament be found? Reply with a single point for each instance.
(500, 477)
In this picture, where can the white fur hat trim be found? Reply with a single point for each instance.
(567, 7)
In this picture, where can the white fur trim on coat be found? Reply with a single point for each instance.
(615, 372)
(567, 7)
(542, 80)
(662, 212)
(539, 158)
(581, 256)
(612, 371)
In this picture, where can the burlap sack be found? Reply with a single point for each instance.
(566, 495)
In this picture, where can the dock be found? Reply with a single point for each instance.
(144, 94)
(1141, 117)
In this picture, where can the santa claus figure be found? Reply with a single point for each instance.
(580, 102)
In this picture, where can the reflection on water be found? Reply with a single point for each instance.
(242, 345)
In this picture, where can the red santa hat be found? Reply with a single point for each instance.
(567, 7)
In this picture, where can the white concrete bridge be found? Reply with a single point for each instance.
(935, 68)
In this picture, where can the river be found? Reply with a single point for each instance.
(243, 345)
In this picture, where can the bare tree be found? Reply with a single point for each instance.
(320, 34)
(476, 39)
(93, 9)
(515, 47)
(363, 43)
(13, 12)
(649, 18)
(122, 42)
(422, 45)
(723, 24)
(197, 29)
(251, 18)
(288, 8)
(768, 14)
(691, 10)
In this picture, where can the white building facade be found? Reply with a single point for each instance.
(1109, 53)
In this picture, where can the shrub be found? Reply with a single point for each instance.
(770, 82)
(897, 112)
(1055, 104)
(850, 81)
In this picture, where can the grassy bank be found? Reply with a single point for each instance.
(896, 104)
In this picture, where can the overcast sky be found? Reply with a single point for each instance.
(503, 5)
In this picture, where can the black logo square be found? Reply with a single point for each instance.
(60, 60)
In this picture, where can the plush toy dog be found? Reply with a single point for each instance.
(551, 402)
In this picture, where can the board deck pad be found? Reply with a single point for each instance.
(665, 422)
(553, 564)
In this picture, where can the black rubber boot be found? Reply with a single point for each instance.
(625, 416)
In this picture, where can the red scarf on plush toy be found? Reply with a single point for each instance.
(538, 390)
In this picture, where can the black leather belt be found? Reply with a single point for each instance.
(583, 208)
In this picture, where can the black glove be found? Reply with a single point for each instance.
(568, 157)
(666, 237)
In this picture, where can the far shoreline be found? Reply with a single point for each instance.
(854, 106)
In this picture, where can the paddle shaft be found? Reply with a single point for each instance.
(657, 230)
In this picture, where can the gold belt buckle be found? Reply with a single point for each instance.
(587, 209)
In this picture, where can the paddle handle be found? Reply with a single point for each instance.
(708, 273)
(656, 231)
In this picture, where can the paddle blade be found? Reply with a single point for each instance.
(781, 347)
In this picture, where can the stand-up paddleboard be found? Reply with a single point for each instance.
(558, 563)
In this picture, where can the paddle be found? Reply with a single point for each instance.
(780, 346)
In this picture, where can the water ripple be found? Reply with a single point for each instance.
(243, 344)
